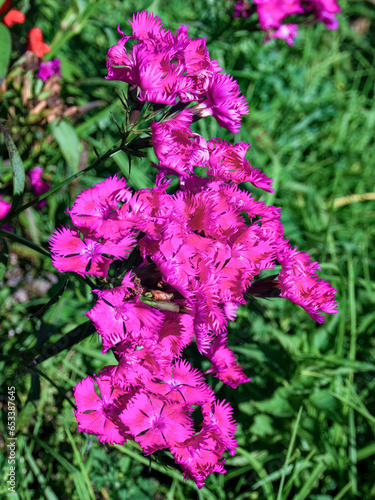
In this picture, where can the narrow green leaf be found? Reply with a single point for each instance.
(18, 170)
(47, 490)
(6, 47)
(79, 482)
(24, 241)
(161, 305)
(310, 483)
(260, 470)
(56, 386)
(74, 369)
(304, 464)
(139, 179)
(94, 353)
(366, 452)
(69, 143)
(4, 256)
(362, 410)
(96, 164)
(67, 341)
(342, 494)
(289, 452)
(78, 457)
(356, 366)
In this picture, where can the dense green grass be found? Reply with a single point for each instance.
(306, 422)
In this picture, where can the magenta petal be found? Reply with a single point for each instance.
(85, 395)
(66, 242)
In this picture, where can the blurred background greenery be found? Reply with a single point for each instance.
(306, 421)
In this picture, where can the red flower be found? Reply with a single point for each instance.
(36, 43)
(14, 17)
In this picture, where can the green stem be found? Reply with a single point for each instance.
(38, 355)
(24, 241)
(96, 164)
(39, 372)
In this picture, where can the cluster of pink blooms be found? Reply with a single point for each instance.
(183, 262)
(169, 68)
(271, 14)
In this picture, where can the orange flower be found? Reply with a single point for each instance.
(36, 43)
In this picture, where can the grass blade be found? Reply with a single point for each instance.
(18, 171)
(6, 47)
(4, 256)
(79, 481)
(47, 490)
(289, 452)
(260, 470)
(81, 465)
(309, 485)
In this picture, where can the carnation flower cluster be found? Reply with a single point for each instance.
(182, 261)
(271, 14)
(169, 68)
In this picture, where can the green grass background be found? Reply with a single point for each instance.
(306, 421)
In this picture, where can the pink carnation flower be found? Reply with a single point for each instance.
(192, 259)
(176, 332)
(218, 420)
(177, 147)
(146, 27)
(300, 283)
(242, 9)
(98, 209)
(224, 102)
(100, 415)
(200, 456)
(117, 317)
(228, 163)
(183, 384)
(325, 11)
(155, 423)
(272, 12)
(166, 66)
(87, 256)
(138, 364)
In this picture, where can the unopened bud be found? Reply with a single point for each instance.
(133, 116)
